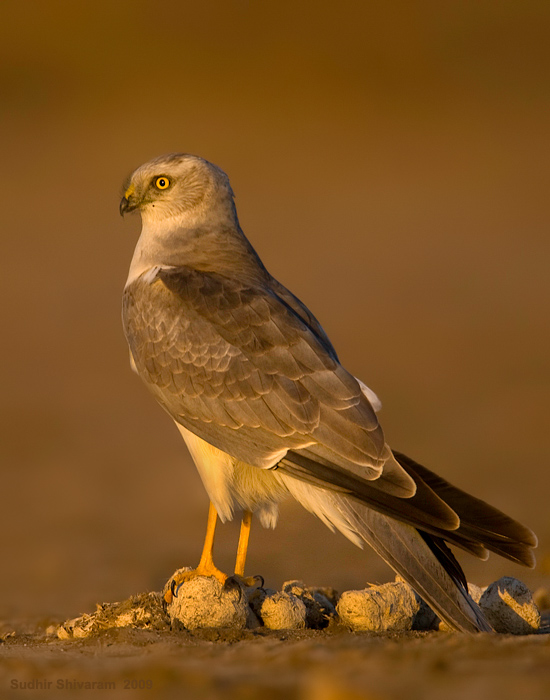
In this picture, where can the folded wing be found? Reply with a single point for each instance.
(249, 370)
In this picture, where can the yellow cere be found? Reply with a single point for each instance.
(129, 192)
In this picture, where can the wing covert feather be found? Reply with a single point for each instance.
(224, 358)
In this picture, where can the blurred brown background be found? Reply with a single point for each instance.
(391, 166)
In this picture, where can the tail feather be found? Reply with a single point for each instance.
(409, 553)
(479, 521)
(437, 508)
(424, 507)
(402, 547)
(446, 558)
(410, 534)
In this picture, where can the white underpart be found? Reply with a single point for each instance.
(371, 396)
(322, 503)
(148, 272)
(234, 485)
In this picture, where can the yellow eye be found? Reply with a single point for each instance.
(161, 183)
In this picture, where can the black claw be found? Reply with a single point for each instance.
(173, 589)
(232, 583)
(261, 579)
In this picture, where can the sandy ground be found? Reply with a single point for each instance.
(333, 664)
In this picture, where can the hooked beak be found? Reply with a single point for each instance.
(126, 206)
(129, 202)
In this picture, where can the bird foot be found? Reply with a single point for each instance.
(241, 582)
(186, 575)
(228, 582)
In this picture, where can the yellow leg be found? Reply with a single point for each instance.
(206, 565)
(242, 547)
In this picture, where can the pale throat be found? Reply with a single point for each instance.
(162, 236)
(150, 251)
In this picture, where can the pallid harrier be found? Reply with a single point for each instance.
(266, 409)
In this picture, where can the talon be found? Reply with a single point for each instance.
(171, 594)
(232, 583)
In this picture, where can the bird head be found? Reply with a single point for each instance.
(177, 186)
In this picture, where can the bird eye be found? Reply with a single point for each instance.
(161, 183)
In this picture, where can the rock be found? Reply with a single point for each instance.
(256, 598)
(392, 607)
(475, 592)
(425, 618)
(65, 631)
(283, 611)
(203, 602)
(319, 609)
(328, 593)
(252, 620)
(143, 611)
(509, 607)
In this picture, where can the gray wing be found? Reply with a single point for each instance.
(249, 370)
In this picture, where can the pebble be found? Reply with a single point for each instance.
(283, 611)
(319, 608)
(203, 602)
(391, 607)
(144, 611)
(508, 605)
(475, 592)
